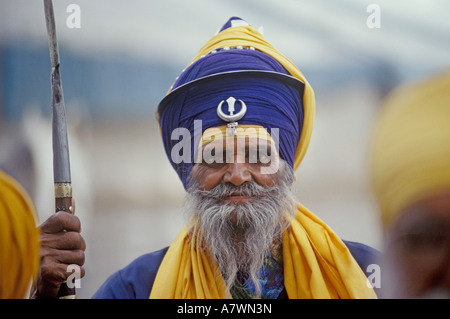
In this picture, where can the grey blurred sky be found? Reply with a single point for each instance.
(306, 30)
(414, 34)
(129, 52)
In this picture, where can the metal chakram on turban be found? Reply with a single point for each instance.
(238, 65)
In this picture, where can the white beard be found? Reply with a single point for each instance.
(240, 244)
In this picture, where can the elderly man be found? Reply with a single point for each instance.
(235, 125)
(410, 159)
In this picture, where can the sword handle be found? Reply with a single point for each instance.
(61, 164)
(66, 293)
(63, 202)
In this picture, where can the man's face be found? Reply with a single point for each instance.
(419, 248)
(238, 207)
(236, 162)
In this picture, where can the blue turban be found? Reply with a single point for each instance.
(273, 97)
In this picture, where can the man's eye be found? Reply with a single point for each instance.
(264, 159)
(265, 156)
(253, 157)
(214, 159)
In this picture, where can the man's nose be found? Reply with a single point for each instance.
(237, 174)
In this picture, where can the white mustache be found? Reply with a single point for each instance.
(223, 191)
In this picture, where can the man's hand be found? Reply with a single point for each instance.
(61, 245)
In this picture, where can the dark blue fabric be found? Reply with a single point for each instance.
(363, 254)
(229, 60)
(136, 280)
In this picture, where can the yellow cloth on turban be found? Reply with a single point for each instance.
(410, 154)
(317, 264)
(242, 131)
(19, 240)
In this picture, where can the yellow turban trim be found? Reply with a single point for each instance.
(242, 131)
(410, 155)
(19, 240)
(249, 37)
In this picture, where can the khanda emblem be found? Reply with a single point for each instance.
(231, 117)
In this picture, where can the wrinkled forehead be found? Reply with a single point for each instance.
(243, 138)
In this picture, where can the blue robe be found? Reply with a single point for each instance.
(135, 280)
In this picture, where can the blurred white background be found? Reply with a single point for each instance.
(124, 57)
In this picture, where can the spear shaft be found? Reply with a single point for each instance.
(61, 162)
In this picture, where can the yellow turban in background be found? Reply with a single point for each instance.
(410, 155)
(19, 240)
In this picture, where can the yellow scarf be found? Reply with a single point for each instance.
(317, 264)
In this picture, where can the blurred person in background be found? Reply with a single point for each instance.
(19, 240)
(235, 125)
(410, 167)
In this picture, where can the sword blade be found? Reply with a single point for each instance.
(51, 32)
(61, 163)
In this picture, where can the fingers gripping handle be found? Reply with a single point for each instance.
(63, 202)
